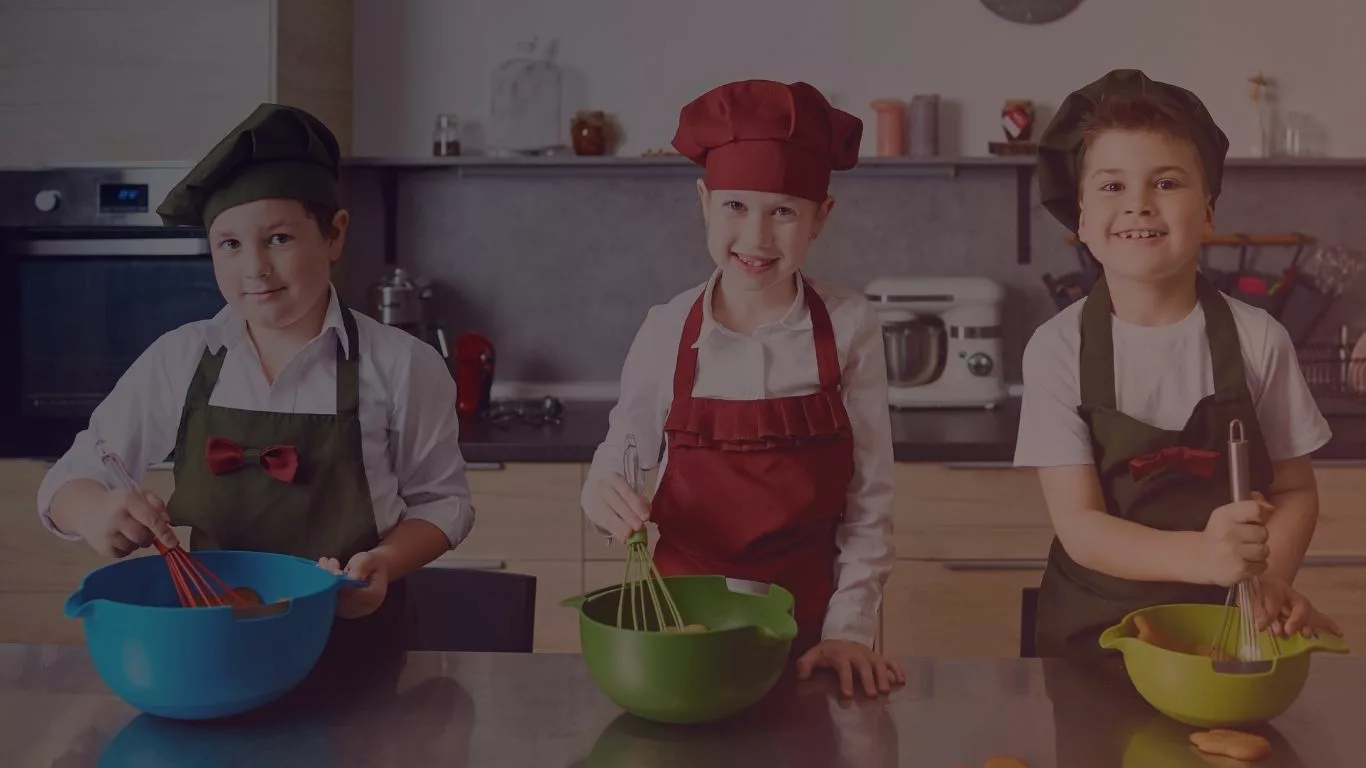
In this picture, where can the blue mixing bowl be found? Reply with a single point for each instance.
(200, 663)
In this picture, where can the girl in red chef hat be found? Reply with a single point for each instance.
(765, 389)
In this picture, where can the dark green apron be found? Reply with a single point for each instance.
(324, 512)
(1076, 604)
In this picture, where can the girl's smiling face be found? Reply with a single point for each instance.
(272, 262)
(759, 239)
(1144, 208)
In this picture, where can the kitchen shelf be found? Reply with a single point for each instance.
(1022, 166)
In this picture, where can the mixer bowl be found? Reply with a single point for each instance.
(201, 663)
(915, 349)
(690, 678)
(1186, 688)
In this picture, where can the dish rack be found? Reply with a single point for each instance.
(1335, 371)
(1298, 294)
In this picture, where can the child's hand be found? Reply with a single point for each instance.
(614, 505)
(846, 657)
(1289, 611)
(122, 523)
(1234, 542)
(355, 602)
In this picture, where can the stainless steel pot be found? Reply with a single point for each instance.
(916, 351)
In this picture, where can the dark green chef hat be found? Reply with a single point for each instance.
(277, 152)
(1061, 143)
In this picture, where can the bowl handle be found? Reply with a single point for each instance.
(76, 604)
(1326, 642)
(1113, 638)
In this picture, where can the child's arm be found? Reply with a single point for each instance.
(1293, 428)
(429, 465)
(1102, 542)
(866, 548)
(1054, 439)
(137, 421)
(643, 404)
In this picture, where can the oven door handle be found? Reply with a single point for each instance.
(106, 246)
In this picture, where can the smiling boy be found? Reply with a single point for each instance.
(1131, 392)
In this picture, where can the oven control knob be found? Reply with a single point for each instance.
(980, 364)
(47, 200)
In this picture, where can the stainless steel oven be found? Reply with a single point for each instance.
(89, 278)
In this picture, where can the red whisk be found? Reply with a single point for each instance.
(195, 584)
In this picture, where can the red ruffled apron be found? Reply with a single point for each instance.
(755, 489)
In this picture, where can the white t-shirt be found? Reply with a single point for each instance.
(1160, 374)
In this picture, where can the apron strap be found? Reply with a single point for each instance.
(1097, 365)
(1098, 345)
(1226, 353)
(827, 352)
(348, 366)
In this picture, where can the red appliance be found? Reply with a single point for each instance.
(474, 363)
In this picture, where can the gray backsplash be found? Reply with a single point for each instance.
(558, 266)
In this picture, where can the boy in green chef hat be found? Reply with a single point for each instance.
(1130, 393)
(296, 425)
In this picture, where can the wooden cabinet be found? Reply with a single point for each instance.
(970, 538)
(163, 80)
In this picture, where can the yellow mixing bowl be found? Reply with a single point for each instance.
(1186, 688)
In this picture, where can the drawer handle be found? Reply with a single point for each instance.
(483, 466)
(1033, 565)
(469, 565)
(1320, 560)
(979, 465)
(995, 565)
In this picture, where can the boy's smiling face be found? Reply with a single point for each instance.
(272, 262)
(1144, 207)
(759, 239)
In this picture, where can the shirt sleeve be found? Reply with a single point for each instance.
(1287, 413)
(643, 403)
(1052, 432)
(137, 421)
(866, 549)
(428, 462)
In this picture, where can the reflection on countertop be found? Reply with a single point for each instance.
(544, 710)
(976, 435)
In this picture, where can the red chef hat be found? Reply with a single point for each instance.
(769, 137)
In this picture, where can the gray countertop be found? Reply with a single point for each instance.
(939, 435)
(454, 710)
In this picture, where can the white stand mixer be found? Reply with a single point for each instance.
(942, 338)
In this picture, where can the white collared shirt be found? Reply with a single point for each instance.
(778, 360)
(409, 426)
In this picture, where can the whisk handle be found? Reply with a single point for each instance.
(1240, 485)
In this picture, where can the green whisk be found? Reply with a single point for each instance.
(652, 608)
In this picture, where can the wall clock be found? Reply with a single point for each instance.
(1031, 11)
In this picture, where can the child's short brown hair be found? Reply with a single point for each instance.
(1137, 113)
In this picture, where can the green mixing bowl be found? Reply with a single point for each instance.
(1186, 687)
(690, 677)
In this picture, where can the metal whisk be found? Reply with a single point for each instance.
(195, 585)
(1239, 628)
(652, 608)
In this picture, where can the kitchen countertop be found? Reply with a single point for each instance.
(948, 436)
(505, 710)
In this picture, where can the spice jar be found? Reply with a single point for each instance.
(446, 137)
(589, 131)
(891, 127)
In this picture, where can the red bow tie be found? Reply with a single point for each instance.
(280, 461)
(1194, 461)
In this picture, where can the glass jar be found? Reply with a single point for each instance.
(526, 103)
(446, 137)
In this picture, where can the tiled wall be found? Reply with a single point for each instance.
(558, 266)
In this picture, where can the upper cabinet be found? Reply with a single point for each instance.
(163, 80)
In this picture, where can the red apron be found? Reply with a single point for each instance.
(755, 489)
